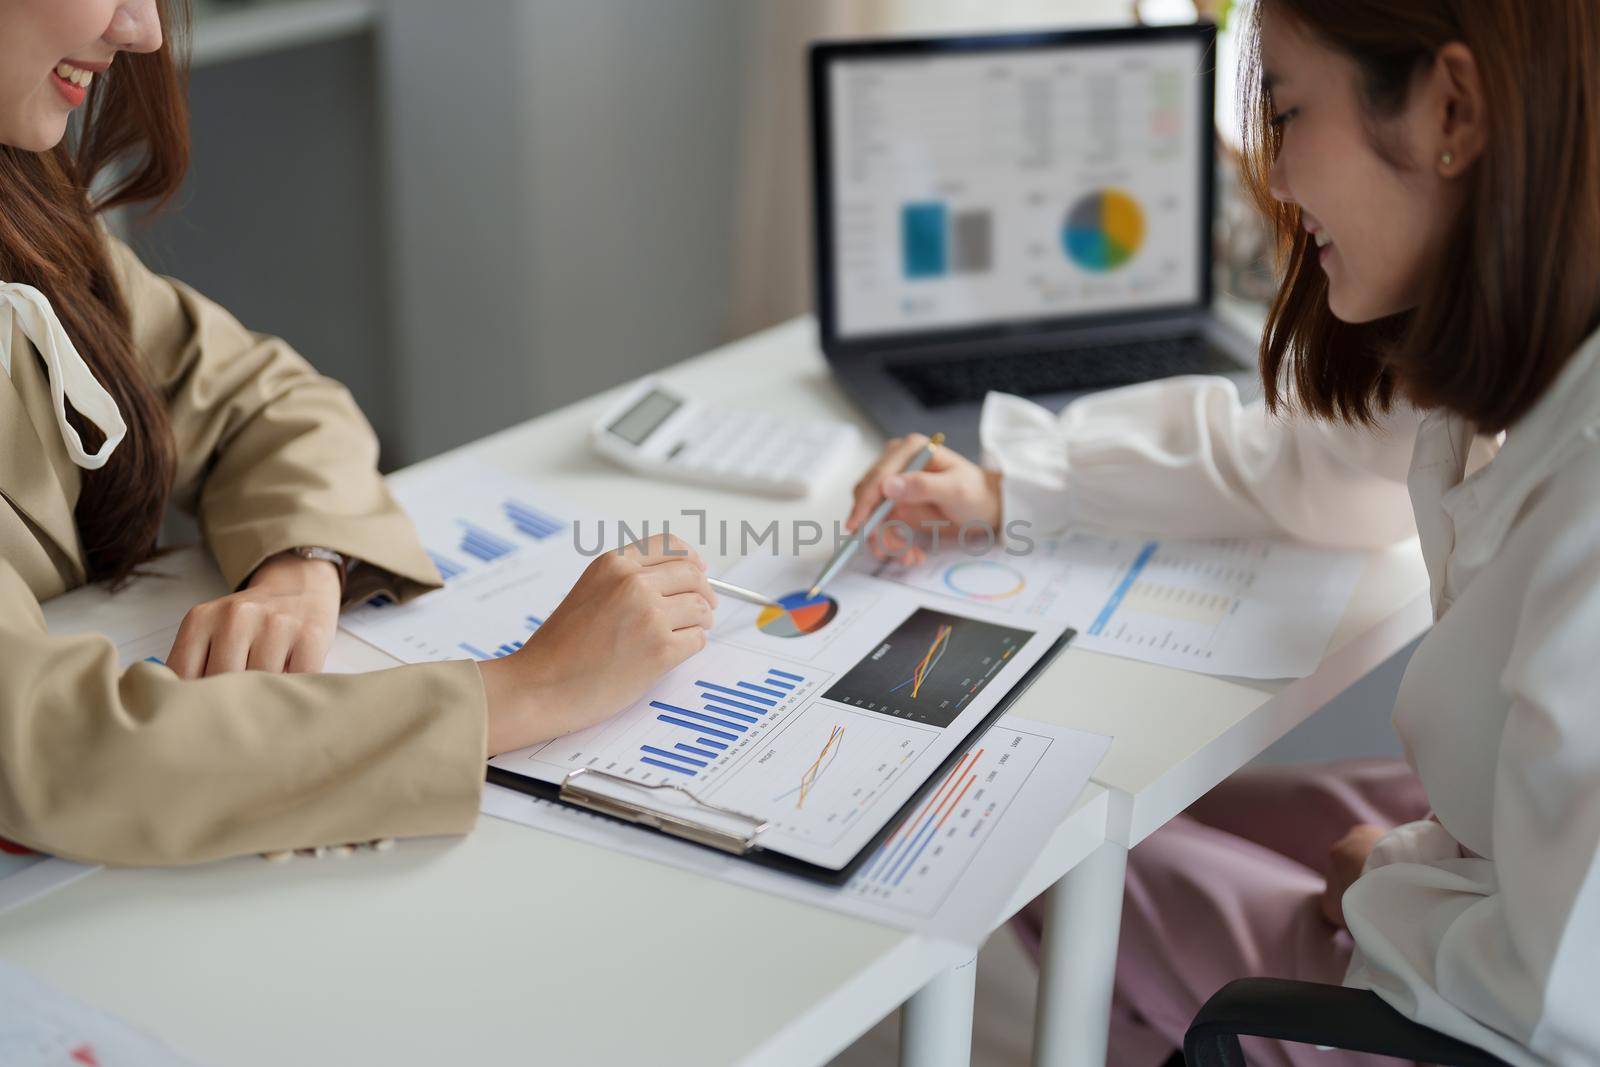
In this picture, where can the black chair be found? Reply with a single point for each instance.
(1310, 1013)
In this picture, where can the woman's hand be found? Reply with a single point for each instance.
(632, 616)
(283, 620)
(951, 491)
(1346, 860)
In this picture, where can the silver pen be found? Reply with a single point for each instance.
(739, 592)
(846, 552)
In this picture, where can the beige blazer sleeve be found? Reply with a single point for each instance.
(271, 454)
(139, 767)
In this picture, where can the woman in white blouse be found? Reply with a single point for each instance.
(1432, 168)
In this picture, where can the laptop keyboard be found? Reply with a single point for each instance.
(1057, 370)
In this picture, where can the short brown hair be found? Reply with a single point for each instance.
(1520, 287)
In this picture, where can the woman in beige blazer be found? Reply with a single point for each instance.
(122, 390)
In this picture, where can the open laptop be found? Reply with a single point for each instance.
(1029, 213)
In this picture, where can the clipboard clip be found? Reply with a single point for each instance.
(669, 808)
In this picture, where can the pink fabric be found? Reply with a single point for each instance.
(1232, 889)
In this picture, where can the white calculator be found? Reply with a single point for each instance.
(656, 429)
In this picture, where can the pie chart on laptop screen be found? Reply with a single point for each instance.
(1103, 230)
(797, 615)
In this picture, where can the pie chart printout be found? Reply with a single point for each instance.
(1103, 230)
(798, 615)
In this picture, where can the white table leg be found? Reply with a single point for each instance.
(936, 1023)
(1083, 916)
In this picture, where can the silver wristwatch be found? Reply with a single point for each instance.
(327, 555)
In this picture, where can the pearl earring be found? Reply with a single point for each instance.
(1447, 158)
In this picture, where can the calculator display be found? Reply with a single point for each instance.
(635, 424)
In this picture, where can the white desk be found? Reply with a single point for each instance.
(511, 938)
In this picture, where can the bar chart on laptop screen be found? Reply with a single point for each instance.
(1015, 184)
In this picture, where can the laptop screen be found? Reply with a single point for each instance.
(977, 187)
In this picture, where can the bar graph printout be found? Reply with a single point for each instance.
(505, 551)
(1253, 608)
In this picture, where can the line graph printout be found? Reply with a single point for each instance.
(1252, 608)
(924, 857)
(820, 765)
(826, 770)
(930, 667)
(947, 869)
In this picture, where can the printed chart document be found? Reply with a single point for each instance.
(43, 1027)
(1250, 608)
(821, 717)
(946, 870)
(505, 550)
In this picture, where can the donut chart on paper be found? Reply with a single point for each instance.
(983, 579)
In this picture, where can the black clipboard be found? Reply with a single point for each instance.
(574, 793)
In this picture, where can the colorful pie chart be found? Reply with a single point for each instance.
(1103, 230)
(799, 615)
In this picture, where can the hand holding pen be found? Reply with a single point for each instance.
(918, 482)
(949, 492)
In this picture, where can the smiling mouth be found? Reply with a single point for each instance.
(73, 75)
(1322, 239)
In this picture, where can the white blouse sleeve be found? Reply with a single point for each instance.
(1184, 457)
(1504, 947)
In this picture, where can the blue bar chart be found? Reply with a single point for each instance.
(531, 522)
(483, 545)
(505, 648)
(699, 725)
(479, 654)
(487, 533)
(496, 541)
(722, 716)
(449, 569)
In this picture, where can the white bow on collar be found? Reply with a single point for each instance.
(70, 377)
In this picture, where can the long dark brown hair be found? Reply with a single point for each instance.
(1519, 288)
(136, 119)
